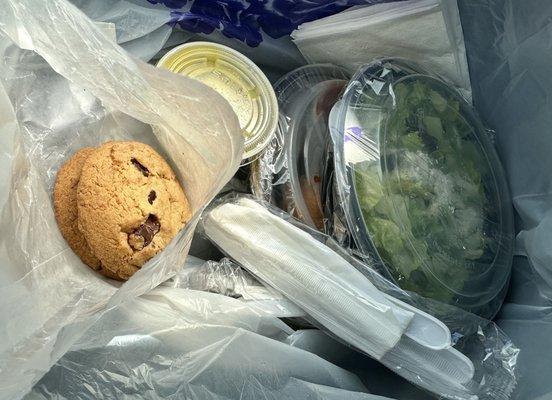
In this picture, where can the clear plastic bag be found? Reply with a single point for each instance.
(349, 300)
(77, 88)
(229, 279)
(510, 62)
(507, 44)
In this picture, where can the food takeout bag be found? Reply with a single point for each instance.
(66, 85)
(506, 43)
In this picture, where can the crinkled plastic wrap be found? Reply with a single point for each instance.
(422, 187)
(77, 88)
(467, 357)
(229, 279)
(178, 343)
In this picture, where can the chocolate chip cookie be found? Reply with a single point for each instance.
(130, 205)
(65, 206)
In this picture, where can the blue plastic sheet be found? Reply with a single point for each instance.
(246, 20)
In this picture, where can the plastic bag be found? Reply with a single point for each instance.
(531, 328)
(179, 343)
(325, 284)
(510, 64)
(80, 89)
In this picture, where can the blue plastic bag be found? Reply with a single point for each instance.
(251, 21)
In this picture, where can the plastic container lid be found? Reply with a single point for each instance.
(295, 159)
(307, 150)
(270, 174)
(428, 195)
(238, 80)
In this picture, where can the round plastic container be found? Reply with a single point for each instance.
(307, 152)
(289, 173)
(425, 192)
(238, 80)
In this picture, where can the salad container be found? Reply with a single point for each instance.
(422, 186)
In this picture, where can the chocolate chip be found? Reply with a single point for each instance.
(143, 235)
(152, 196)
(140, 167)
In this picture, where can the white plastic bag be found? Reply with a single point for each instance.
(77, 88)
(174, 343)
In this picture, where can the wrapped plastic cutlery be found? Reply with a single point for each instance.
(339, 298)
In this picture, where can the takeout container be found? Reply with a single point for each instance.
(238, 80)
(291, 173)
(422, 186)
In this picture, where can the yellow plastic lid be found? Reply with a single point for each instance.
(238, 80)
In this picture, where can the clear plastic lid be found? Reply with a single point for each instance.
(309, 139)
(238, 80)
(426, 193)
(289, 172)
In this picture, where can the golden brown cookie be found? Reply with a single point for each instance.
(130, 205)
(65, 206)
